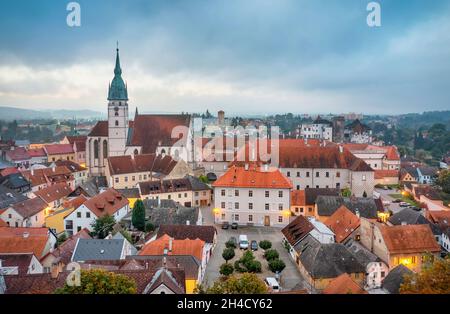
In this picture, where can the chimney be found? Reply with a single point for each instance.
(246, 167)
(357, 214)
(341, 149)
(54, 168)
(32, 171)
(188, 222)
(266, 167)
(404, 223)
(170, 245)
(26, 234)
(55, 270)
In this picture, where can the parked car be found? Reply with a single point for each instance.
(418, 209)
(385, 188)
(397, 201)
(225, 225)
(233, 239)
(403, 204)
(254, 245)
(243, 242)
(272, 284)
(234, 225)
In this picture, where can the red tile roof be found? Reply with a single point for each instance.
(298, 198)
(80, 146)
(380, 174)
(71, 165)
(343, 284)
(108, 202)
(7, 171)
(22, 261)
(100, 129)
(37, 152)
(54, 192)
(343, 222)
(150, 131)
(78, 138)
(48, 175)
(23, 240)
(141, 163)
(58, 149)
(65, 250)
(179, 247)
(2, 223)
(29, 207)
(18, 154)
(254, 177)
(297, 229)
(409, 239)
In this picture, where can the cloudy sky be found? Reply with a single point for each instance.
(242, 56)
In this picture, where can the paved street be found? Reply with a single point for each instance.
(290, 276)
(385, 196)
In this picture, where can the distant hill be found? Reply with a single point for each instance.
(11, 113)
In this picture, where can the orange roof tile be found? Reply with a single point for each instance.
(254, 177)
(141, 163)
(58, 149)
(343, 222)
(179, 247)
(298, 198)
(380, 174)
(23, 240)
(3, 224)
(54, 192)
(108, 202)
(409, 239)
(343, 284)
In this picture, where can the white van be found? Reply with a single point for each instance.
(272, 284)
(243, 242)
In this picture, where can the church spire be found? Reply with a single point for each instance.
(117, 90)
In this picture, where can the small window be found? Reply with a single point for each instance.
(267, 193)
(338, 174)
(280, 193)
(117, 122)
(250, 205)
(78, 214)
(317, 174)
(222, 192)
(116, 179)
(298, 174)
(288, 174)
(280, 206)
(266, 206)
(236, 192)
(222, 205)
(280, 219)
(250, 218)
(236, 217)
(88, 215)
(327, 174)
(307, 174)
(250, 193)
(78, 228)
(236, 205)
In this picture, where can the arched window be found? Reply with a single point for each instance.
(95, 149)
(117, 122)
(105, 149)
(136, 151)
(116, 114)
(163, 151)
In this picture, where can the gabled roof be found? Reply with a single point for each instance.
(394, 279)
(98, 249)
(71, 165)
(23, 240)
(180, 232)
(172, 279)
(18, 154)
(21, 260)
(30, 207)
(64, 251)
(380, 174)
(151, 131)
(297, 229)
(326, 260)
(141, 163)
(108, 202)
(58, 149)
(37, 152)
(54, 192)
(189, 263)
(298, 198)
(188, 183)
(343, 222)
(409, 239)
(311, 194)
(254, 177)
(48, 175)
(427, 191)
(76, 138)
(343, 284)
(174, 247)
(327, 205)
(100, 129)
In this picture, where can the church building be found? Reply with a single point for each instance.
(147, 133)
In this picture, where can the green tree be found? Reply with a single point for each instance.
(138, 215)
(443, 180)
(434, 279)
(149, 227)
(271, 254)
(245, 284)
(99, 281)
(228, 254)
(230, 244)
(276, 265)
(346, 192)
(103, 226)
(61, 239)
(226, 269)
(265, 244)
(204, 179)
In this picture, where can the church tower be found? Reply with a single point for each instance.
(117, 112)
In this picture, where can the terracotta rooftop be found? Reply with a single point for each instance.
(58, 149)
(7, 171)
(30, 207)
(22, 261)
(37, 152)
(77, 138)
(409, 239)
(48, 175)
(100, 129)
(107, 202)
(298, 198)
(141, 163)
(18, 154)
(380, 174)
(343, 284)
(54, 192)
(71, 165)
(151, 131)
(343, 222)
(179, 247)
(23, 240)
(254, 177)
(172, 185)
